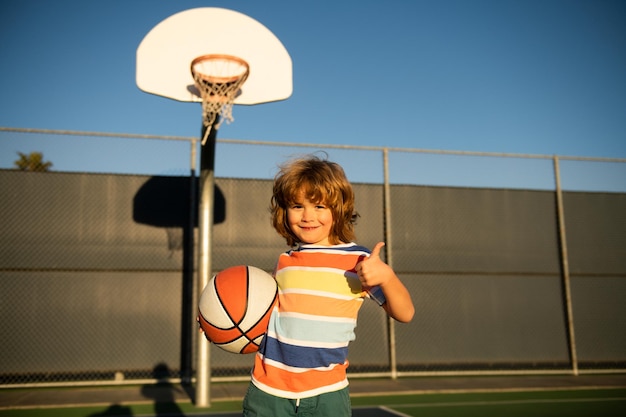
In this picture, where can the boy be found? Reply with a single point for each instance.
(300, 369)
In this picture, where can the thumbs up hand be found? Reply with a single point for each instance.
(373, 271)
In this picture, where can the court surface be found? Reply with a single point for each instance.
(572, 403)
(561, 395)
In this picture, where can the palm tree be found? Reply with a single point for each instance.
(32, 162)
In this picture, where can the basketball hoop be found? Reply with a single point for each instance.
(218, 79)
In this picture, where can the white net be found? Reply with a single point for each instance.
(218, 79)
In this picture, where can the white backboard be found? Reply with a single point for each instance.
(164, 55)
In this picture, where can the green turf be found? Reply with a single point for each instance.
(600, 408)
(571, 403)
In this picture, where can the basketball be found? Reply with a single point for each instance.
(235, 307)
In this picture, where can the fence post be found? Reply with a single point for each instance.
(565, 267)
(189, 280)
(391, 325)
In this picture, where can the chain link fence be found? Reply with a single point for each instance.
(516, 263)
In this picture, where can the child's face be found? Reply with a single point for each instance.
(310, 222)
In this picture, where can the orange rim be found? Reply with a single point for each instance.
(218, 78)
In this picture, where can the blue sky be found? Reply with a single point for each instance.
(532, 77)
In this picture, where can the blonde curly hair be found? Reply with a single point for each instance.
(320, 181)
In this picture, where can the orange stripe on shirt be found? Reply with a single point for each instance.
(343, 261)
(297, 381)
(320, 306)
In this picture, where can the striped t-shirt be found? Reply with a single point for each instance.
(304, 352)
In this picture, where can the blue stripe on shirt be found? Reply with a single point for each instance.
(302, 357)
(337, 248)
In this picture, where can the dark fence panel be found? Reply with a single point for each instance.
(93, 271)
(596, 241)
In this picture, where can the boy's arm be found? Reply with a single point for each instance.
(374, 272)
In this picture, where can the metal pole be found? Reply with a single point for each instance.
(205, 225)
(565, 267)
(391, 324)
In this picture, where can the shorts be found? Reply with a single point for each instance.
(331, 404)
